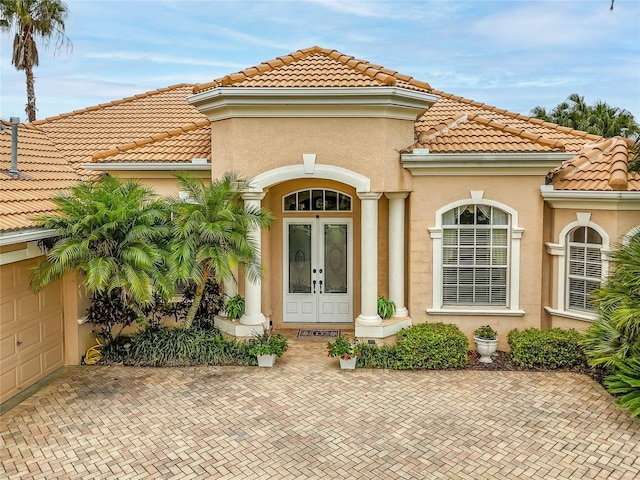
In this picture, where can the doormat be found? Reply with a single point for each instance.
(306, 333)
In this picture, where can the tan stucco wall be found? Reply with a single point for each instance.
(162, 183)
(368, 146)
(521, 193)
(77, 337)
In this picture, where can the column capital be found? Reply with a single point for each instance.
(255, 196)
(400, 195)
(369, 195)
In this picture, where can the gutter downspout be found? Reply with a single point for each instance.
(14, 147)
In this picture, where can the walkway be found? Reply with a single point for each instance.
(307, 419)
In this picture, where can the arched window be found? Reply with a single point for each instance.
(317, 199)
(584, 267)
(475, 256)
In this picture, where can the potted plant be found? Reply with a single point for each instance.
(386, 307)
(346, 350)
(486, 339)
(267, 346)
(234, 307)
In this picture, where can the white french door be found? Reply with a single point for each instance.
(317, 270)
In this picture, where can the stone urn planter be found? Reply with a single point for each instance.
(486, 339)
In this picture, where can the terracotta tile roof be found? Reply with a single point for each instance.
(112, 126)
(598, 166)
(44, 172)
(177, 145)
(315, 67)
(455, 124)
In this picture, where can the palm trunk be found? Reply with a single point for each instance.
(31, 94)
(197, 299)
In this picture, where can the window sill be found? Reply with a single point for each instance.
(585, 317)
(466, 312)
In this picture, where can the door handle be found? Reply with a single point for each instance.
(320, 286)
(314, 286)
(18, 343)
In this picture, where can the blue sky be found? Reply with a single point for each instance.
(511, 54)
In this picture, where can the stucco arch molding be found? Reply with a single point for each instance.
(326, 172)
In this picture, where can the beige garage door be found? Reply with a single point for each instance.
(31, 337)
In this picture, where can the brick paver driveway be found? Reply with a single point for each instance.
(305, 418)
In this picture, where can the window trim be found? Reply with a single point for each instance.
(560, 250)
(513, 267)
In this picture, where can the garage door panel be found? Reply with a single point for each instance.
(51, 326)
(8, 348)
(30, 370)
(28, 306)
(52, 296)
(7, 314)
(8, 384)
(52, 358)
(6, 277)
(23, 273)
(29, 337)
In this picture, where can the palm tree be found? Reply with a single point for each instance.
(598, 119)
(211, 234)
(31, 19)
(115, 234)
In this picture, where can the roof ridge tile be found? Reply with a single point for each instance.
(526, 134)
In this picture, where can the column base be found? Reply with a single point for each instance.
(238, 330)
(401, 312)
(368, 320)
(388, 328)
(255, 319)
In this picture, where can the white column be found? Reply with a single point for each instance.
(396, 251)
(253, 291)
(369, 259)
(230, 287)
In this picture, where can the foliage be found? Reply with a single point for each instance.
(554, 348)
(625, 384)
(171, 346)
(345, 348)
(616, 334)
(211, 304)
(30, 19)
(374, 356)
(386, 307)
(432, 346)
(485, 332)
(212, 232)
(114, 233)
(598, 119)
(234, 307)
(268, 343)
(108, 310)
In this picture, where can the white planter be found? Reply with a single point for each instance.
(266, 360)
(349, 364)
(485, 348)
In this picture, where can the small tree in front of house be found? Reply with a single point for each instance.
(211, 234)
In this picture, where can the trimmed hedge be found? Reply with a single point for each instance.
(554, 348)
(431, 346)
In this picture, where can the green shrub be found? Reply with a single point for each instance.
(485, 332)
(170, 346)
(109, 311)
(625, 384)
(431, 345)
(373, 356)
(234, 307)
(554, 348)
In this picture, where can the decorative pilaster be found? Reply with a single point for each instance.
(253, 291)
(369, 259)
(396, 251)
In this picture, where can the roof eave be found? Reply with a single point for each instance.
(420, 162)
(389, 102)
(592, 199)
(25, 235)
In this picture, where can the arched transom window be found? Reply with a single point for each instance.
(584, 267)
(317, 199)
(475, 266)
